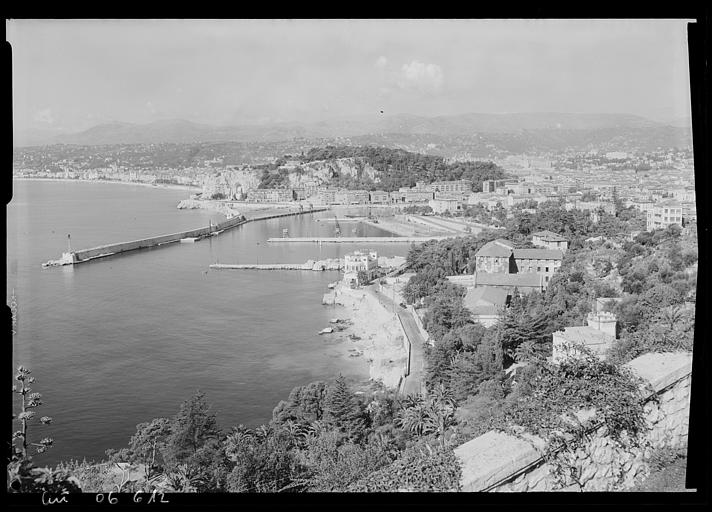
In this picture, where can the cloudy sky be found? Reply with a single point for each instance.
(70, 75)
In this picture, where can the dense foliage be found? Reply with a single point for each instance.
(399, 168)
(651, 276)
(420, 470)
(546, 398)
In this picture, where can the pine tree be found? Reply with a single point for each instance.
(343, 410)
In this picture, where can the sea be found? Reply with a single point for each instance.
(121, 340)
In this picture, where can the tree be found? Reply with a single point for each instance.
(363, 277)
(149, 441)
(305, 404)
(191, 428)
(344, 411)
(264, 464)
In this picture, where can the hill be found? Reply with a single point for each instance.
(514, 132)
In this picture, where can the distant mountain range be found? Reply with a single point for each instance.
(464, 125)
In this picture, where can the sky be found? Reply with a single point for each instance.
(69, 75)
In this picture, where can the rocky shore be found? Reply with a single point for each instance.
(374, 332)
(215, 206)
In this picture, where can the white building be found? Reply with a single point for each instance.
(663, 215)
(597, 337)
(359, 261)
(442, 205)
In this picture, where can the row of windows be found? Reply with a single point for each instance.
(538, 269)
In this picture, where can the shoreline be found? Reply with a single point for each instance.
(165, 186)
(381, 340)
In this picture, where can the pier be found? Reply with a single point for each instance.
(276, 266)
(342, 219)
(358, 239)
(74, 257)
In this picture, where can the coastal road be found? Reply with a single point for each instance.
(414, 383)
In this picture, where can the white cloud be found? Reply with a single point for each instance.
(381, 62)
(151, 107)
(44, 116)
(420, 76)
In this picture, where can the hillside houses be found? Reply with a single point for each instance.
(502, 270)
(500, 256)
(597, 337)
(549, 240)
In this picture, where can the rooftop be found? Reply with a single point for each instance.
(550, 236)
(527, 279)
(498, 248)
(584, 335)
(485, 300)
(538, 254)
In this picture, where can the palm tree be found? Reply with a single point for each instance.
(672, 315)
(415, 419)
(262, 432)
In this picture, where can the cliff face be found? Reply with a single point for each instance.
(322, 172)
(232, 184)
(235, 183)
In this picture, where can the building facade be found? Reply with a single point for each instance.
(663, 215)
(271, 195)
(550, 240)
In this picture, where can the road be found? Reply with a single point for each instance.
(414, 382)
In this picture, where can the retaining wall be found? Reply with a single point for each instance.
(420, 325)
(501, 462)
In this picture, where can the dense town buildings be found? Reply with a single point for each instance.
(582, 180)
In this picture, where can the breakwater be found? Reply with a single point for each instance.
(330, 264)
(84, 255)
(357, 239)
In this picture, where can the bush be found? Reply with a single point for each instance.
(419, 470)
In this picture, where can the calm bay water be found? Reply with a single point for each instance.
(121, 340)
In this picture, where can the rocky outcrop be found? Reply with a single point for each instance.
(192, 204)
(232, 184)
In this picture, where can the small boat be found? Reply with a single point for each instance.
(326, 330)
(331, 286)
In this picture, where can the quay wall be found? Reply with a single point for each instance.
(355, 240)
(500, 462)
(121, 247)
(106, 250)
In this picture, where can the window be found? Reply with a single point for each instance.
(547, 269)
(538, 269)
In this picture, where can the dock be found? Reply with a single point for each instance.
(273, 266)
(342, 219)
(358, 239)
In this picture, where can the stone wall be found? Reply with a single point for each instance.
(501, 462)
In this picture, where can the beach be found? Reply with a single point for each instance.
(159, 185)
(380, 336)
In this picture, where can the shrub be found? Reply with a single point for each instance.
(418, 470)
